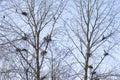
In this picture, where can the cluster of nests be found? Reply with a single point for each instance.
(25, 37)
(19, 50)
(105, 54)
(46, 39)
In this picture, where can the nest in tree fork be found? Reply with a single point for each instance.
(24, 13)
(18, 49)
(24, 50)
(47, 38)
(24, 38)
(43, 52)
(90, 66)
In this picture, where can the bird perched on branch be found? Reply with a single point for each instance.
(105, 53)
(103, 38)
(107, 36)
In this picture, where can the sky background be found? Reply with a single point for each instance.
(111, 62)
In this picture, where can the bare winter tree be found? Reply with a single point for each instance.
(27, 39)
(58, 69)
(91, 30)
(26, 32)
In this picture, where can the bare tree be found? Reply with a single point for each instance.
(27, 31)
(91, 30)
(58, 70)
(28, 48)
